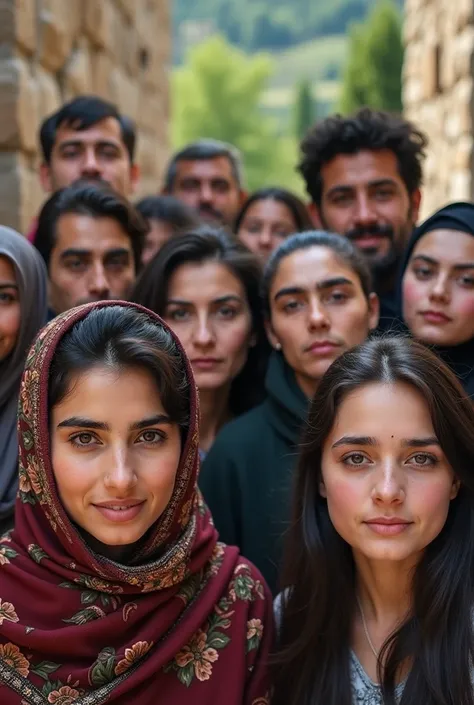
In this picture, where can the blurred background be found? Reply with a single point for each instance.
(258, 73)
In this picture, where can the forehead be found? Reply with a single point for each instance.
(95, 235)
(304, 269)
(391, 411)
(7, 270)
(107, 130)
(204, 281)
(358, 170)
(218, 167)
(269, 208)
(446, 246)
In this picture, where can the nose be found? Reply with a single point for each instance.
(440, 288)
(265, 239)
(120, 476)
(389, 486)
(204, 332)
(364, 212)
(318, 317)
(205, 193)
(90, 165)
(98, 283)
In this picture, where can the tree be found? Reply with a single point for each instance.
(217, 94)
(304, 109)
(373, 74)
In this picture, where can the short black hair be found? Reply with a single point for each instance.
(97, 200)
(343, 248)
(367, 129)
(206, 149)
(80, 114)
(168, 209)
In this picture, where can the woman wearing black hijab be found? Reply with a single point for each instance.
(437, 288)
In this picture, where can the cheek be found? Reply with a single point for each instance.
(463, 310)
(233, 341)
(183, 331)
(430, 502)
(10, 322)
(412, 294)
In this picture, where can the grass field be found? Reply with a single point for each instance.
(321, 61)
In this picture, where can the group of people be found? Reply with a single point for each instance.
(236, 430)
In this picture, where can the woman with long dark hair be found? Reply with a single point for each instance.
(318, 303)
(23, 311)
(437, 288)
(206, 287)
(269, 216)
(379, 569)
(113, 587)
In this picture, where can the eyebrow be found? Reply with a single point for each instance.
(76, 252)
(7, 285)
(83, 422)
(370, 441)
(81, 143)
(434, 262)
(219, 300)
(320, 286)
(344, 188)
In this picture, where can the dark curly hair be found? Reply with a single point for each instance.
(367, 129)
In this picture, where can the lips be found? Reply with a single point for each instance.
(388, 526)
(324, 347)
(435, 317)
(205, 363)
(119, 511)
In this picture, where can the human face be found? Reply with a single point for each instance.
(209, 186)
(92, 260)
(10, 312)
(318, 311)
(96, 153)
(115, 464)
(265, 224)
(438, 288)
(208, 310)
(155, 238)
(365, 198)
(386, 479)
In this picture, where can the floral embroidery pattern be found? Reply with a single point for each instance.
(200, 656)
(93, 590)
(136, 653)
(7, 612)
(64, 696)
(5, 554)
(12, 656)
(254, 634)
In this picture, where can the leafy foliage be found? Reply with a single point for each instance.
(304, 109)
(273, 24)
(373, 74)
(217, 94)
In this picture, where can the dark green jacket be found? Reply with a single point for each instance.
(246, 478)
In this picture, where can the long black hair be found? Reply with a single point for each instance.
(213, 244)
(320, 601)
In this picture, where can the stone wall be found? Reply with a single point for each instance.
(53, 50)
(438, 94)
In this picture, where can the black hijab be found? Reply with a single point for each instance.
(456, 216)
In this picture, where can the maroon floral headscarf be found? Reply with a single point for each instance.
(188, 622)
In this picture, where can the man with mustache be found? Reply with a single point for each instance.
(363, 174)
(208, 176)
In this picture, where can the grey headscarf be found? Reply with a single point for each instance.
(31, 279)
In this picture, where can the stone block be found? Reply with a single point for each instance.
(460, 185)
(18, 106)
(10, 196)
(128, 8)
(77, 73)
(463, 53)
(464, 153)
(99, 22)
(124, 92)
(49, 93)
(101, 69)
(18, 24)
(56, 42)
(463, 13)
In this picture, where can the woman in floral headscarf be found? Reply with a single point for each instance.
(113, 587)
